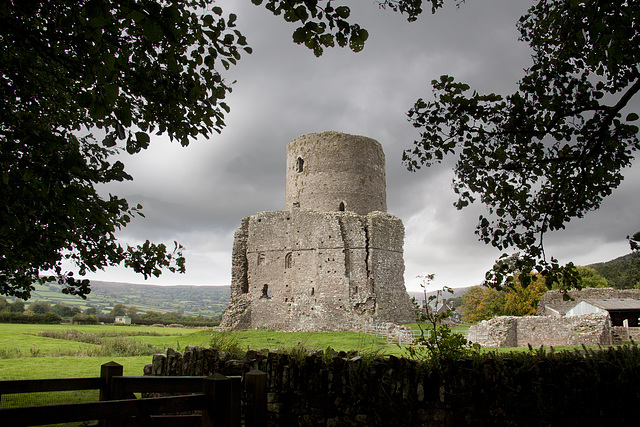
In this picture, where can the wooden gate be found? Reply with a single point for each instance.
(216, 399)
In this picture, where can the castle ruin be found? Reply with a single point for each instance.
(333, 259)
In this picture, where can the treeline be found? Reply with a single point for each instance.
(482, 303)
(155, 317)
(45, 312)
(621, 273)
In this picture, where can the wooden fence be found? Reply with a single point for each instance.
(217, 398)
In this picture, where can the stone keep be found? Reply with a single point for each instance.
(332, 260)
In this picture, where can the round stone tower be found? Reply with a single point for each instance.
(333, 171)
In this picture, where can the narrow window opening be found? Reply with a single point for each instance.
(266, 293)
(288, 260)
(313, 291)
(341, 207)
(300, 165)
(261, 259)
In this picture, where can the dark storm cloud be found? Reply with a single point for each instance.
(198, 195)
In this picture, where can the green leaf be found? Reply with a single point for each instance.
(632, 117)
(343, 12)
(111, 94)
(84, 99)
(151, 30)
(301, 35)
(109, 60)
(109, 141)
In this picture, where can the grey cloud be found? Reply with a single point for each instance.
(199, 194)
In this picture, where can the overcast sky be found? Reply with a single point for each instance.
(199, 194)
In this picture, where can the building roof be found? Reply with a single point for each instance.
(615, 303)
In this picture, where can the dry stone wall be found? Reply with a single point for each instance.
(346, 389)
(511, 331)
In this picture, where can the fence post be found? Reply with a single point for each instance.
(107, 372)
(236, 401)
(218, 413)
(255, 383)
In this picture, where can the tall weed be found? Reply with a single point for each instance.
(72, 335)
(121, 346)
(226, 341)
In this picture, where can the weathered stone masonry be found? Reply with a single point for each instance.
(333, 260)
(536, 331)
(345, 389)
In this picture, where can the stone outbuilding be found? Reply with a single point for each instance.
(623, 311)
(590, 316)
(333, 259)
(511, 331)
(553, 303)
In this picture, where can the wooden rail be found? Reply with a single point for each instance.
(217, 397)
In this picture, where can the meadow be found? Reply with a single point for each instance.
(72, 351)
(65, 350)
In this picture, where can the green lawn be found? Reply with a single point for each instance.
(22, 340)
(66, 367)
(25, 355)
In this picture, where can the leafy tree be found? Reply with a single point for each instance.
(16, 307)
(634, 242)
(85, 319)
(40, 307)
(63, 310)
(3, 303)
(132, 312)
(523, 301)
(118, 310)
(482, 303)
(589, 278)
(151, 315)
(122, 69)
(91, 311)
(172, 316)
(554, 149)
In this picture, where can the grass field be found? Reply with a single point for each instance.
(26, 354)
(48, 351)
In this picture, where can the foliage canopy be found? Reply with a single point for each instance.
(554, 149)
(483, 303)
(122, 70)
(125, 70)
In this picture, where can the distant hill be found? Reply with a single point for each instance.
(622, 272)
(208, 301)
(457, 292)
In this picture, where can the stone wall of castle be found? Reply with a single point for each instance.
(304, 270)
(536, 331)
(332, 171)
